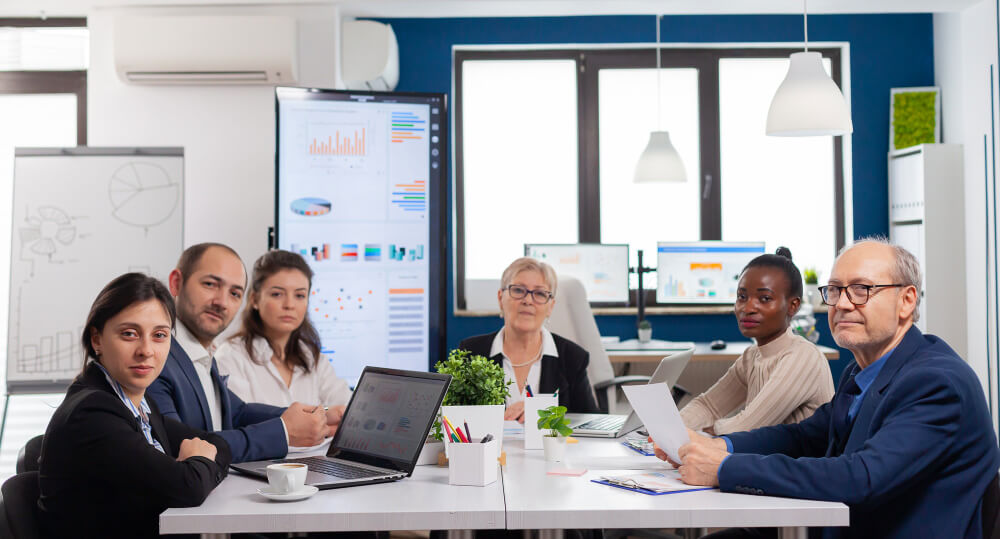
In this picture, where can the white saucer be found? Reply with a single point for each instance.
(307, 491)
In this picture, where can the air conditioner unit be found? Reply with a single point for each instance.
(205, 49)
(369, 56)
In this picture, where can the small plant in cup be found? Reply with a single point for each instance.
(554, 419)
(810, 276)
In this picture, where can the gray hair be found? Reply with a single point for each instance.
(529, 264)
(905, 271)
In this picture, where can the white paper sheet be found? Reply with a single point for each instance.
(655, 406)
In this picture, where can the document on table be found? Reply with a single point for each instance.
(655, 406)
(665, 481)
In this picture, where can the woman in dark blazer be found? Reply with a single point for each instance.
(110, 463)
(530, 354)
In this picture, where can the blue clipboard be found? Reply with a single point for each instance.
(649, 492)
(637, 450)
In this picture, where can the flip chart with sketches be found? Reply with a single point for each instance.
(81, 217)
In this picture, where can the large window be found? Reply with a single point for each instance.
(43, 89)
(547, 142)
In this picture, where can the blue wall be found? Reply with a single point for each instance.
(886, 51)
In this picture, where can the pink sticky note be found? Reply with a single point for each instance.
(567, 471)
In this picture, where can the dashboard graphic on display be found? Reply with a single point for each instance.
(602, 268)
(701, 271)
(360, 178)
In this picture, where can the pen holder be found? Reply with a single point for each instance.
(482, 420)
(472, 464)
(533, 436)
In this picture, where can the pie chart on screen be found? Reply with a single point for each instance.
(311, 206)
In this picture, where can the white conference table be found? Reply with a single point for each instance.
(524, 497)
(536, 500)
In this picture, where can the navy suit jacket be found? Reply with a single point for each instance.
(253, 431)
(916, 463)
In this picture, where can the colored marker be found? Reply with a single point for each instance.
(527, 390)
(467, 435)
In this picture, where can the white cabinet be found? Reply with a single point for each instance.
(926, 216)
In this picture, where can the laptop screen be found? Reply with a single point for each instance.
(389, 415)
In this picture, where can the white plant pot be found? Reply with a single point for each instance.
(814, 297)
(645, 334)
(555, 448)
(482, 420)
(429, 453)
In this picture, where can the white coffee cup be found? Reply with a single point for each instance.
(286, 477)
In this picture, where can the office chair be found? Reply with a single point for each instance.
(572, 319)
(991, 509)
(27, 457)
(19, 507)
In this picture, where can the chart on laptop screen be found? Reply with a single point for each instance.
(358, 175)
(701, 271)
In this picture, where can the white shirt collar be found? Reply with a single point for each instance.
(192, 347)
(548, 344)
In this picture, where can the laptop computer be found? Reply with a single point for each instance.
(382, 432)
(615, 425)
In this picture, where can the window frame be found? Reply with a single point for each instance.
(589, 62)
(50, 82)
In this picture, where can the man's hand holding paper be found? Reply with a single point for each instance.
(655, 406)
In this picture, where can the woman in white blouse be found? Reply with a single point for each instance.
(275, 358)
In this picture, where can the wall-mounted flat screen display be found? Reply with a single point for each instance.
(360, 195)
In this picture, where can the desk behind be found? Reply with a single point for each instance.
(627, 353)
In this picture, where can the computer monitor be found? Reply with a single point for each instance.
(702, 272)
(361, 196)
(602, 268)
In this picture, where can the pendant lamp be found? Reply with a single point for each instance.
(808, 102)
(660, 161)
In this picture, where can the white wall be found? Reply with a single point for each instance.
(965, 47)
(227, 131)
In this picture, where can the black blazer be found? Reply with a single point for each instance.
(98, 475)
(567, 373)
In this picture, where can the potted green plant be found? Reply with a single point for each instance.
(554, 420)
(645, 330)
(476, 396)
(812, 287)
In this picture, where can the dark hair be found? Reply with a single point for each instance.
(120, 294)
(266, 266)
(782, 259)
(191, 256)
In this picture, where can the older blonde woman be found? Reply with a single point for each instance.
(531, 355)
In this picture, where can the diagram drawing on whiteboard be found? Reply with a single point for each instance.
(143, 194)
(54, 355)
(44, 234)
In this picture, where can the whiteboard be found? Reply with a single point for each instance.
(80, 218)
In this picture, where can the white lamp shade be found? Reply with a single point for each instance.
(808, 102)
(660, 162)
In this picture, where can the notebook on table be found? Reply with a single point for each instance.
(381, 434)
(615, 425)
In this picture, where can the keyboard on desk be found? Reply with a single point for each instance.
(334, 468)
(610, 423)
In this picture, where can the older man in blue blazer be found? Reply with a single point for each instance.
(907, 441)
(208, 285)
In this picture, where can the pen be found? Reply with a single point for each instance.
(486, 438)
(467, 435)
(556, 393)
(527, 390)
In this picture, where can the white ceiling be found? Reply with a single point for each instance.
(508, 8)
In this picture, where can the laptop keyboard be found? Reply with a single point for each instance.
(335, 469)
(610, 423)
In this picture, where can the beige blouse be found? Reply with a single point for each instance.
(783, 381)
